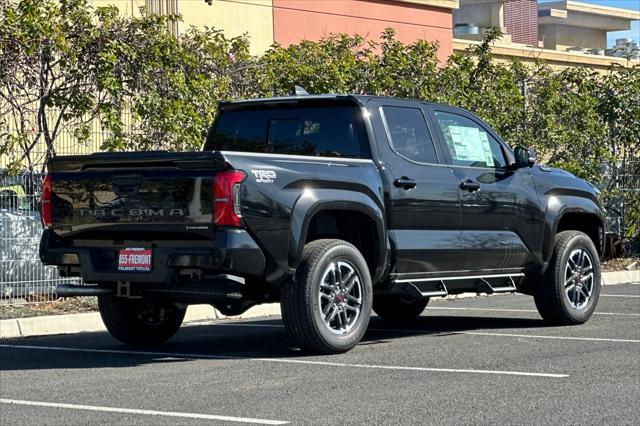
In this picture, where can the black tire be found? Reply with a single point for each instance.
(398, 308)
(138, 322)
(552, 295)
(302, 303)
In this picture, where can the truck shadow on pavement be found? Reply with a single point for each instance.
(239, 340)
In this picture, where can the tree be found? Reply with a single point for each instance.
(47, 54)
(67, 68)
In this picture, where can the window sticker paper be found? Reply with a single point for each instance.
(470, 144)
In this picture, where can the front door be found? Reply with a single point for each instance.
(500, 208)
(423, 213)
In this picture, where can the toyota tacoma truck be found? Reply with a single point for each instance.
(331, 205)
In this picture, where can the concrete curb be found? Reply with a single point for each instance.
(621, 277)
(91, 322)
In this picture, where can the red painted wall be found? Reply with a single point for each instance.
(295, 20)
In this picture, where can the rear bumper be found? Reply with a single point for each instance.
(234, 251)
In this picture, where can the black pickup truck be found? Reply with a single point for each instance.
(332, 205)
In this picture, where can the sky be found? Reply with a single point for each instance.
(634, 33)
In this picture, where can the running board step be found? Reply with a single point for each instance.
(424, 289)
(501, 289)
(437, 287)
(432, 289)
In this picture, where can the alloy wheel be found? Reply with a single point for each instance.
(340, 297)
(579, 278)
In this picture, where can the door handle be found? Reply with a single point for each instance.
(404, 183)
(470, 185)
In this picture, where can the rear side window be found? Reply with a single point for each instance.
(332, 131)
(409, 135)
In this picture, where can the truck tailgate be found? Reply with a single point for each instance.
(159, 193)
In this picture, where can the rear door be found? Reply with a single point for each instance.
(423, 213)
(500, 207)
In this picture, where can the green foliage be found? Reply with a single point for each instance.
(68, 68)
(34, 51)
(472, 80)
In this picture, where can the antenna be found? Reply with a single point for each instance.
(299, 91)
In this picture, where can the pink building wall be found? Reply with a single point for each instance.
(295, 20)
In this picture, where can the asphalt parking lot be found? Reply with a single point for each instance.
(472, 361)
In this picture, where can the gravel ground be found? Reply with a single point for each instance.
(621, 264)
(74, 305)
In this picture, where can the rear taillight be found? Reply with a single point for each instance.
(45, 201)
(226, 198)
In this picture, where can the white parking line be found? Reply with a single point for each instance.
(143, 412)
(467, 333)
(538, 336)
(530, 336)
(288, 361)
(619, 295)
(441, 308)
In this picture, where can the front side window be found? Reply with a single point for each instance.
(409, 135)
(332, 131)
(468, 143)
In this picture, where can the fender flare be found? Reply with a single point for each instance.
(313, 201)
(560, 205)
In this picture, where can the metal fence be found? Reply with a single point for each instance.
(622, 184)
(23, 278)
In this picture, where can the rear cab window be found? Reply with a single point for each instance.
(326, 130)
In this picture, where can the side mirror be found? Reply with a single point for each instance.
(524, 157)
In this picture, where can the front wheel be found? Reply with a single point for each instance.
(326, 308)
(139, 322)
(570, 287)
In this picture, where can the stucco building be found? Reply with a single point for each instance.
(289, 21)
(563, 33)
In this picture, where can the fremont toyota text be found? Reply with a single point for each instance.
(332, 205)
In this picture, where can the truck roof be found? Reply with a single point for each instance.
(360, 99)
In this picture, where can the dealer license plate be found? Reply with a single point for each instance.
(134, 259)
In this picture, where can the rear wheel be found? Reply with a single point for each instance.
(326, 309)
(139, 322)
(399, 308)
(570, 287)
